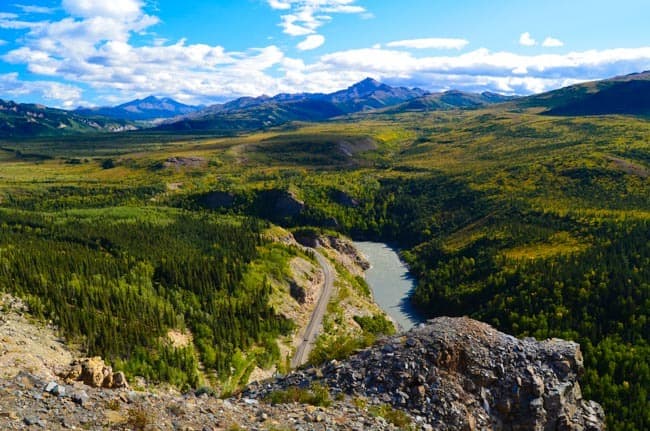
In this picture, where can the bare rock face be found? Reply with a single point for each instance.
(460, 374)
(95, 373)
(345, 247)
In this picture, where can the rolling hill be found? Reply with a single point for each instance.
(623, 95)
(452, 99)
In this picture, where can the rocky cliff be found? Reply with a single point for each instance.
(459, 374)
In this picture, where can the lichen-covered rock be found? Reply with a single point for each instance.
(460, 374)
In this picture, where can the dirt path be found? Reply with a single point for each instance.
(302, 353)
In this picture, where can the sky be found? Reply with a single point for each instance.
(70, 53)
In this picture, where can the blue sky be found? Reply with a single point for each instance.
(68, 53)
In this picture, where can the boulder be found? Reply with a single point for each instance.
(95, 373)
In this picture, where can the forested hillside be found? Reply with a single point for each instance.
(118, 283)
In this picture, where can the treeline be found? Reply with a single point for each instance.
(118, 286)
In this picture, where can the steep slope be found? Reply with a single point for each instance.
(150, 108)
(625, 95)
(29, 120)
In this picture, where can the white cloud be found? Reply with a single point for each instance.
(35, 9)
(279, 4)
(97, 51)
(498, 71)
(312, 41)
(526, 40)
(306, 16)
(94, 48)
(62, 94)
(430, 43)
(551, 42)
(120, 9)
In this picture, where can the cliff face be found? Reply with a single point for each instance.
(459, 374)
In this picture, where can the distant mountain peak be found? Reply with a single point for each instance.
(367, 85)
(153, 99)
(149, 108)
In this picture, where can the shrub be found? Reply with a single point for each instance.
(316, 395)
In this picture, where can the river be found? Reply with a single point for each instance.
(390, 282)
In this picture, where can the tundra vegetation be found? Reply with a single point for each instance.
(536, 224)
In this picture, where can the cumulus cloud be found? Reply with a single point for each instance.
(551, 42)
(430, 43)
(120, 9)
(306, 16)
(63, 95)
(279, 4)
(312, 41)
(527, 40)
(498, 71)
(93, 46)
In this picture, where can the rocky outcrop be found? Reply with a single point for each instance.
(450, 374)
(346, 248)
(297, 292)
(95, 373)
(459, 374)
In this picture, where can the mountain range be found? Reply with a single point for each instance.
(31, 120)
(365, 96)
(624, 95)
(150, 108)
